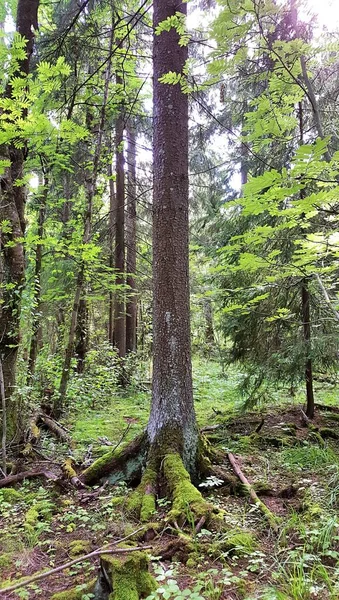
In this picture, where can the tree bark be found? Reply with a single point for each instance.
(305, 299)
(172, 419)
(12, 210)
(81, 333)
(111, 238)
(36, 325)
(131, 304)
(119, 264)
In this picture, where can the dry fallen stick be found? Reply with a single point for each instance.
(26, 475)
(272, 519)
(103, 550)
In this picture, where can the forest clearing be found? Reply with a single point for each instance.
(169, 315)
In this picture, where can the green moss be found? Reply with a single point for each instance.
(10, 496)
(129, 576)
(191, 563)
(141, 502)
(78, 547)
(148, 508)
(75, 593)
(39, 511)
(240, 542)
(328, 432)
(184, 494)
(91, 472)
(6, 560)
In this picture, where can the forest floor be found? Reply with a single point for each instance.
(294, 468)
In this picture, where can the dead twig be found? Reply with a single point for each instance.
(271, 518)
(10, 479)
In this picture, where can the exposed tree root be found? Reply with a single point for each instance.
(271, 518)
(118, 464)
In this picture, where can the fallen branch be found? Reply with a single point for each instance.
(26, 475)
(98, 552)
(271, 518)
(55, 428)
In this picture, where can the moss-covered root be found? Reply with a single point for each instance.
(127, 576)
(141, 503)
(117, 464)
(187, 501)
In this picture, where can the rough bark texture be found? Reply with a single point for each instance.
(12, 209)
(119, 311)
(305, 299)
(36, 325)
(111, 238)
(172, 419)
(131, 213)
(81, 334)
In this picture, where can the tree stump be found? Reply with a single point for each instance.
(124, 577)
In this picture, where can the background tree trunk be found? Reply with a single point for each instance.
(36, 325)
(119, 310)
(172, 418)
(131, 213)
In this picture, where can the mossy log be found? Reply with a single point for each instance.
(124, 578)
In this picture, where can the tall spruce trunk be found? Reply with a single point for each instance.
(12, 210)
(119, 264)
(131, 214)
(172, 418)
(111, 238)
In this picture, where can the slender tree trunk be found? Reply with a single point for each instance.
(305, 299)
(209, 330)
(36, 325)
(131, 213)
(172, 419)
(305, 310)
(81, 335)
(60, 398)
(119, 264)
(12, 210)
(111, 238)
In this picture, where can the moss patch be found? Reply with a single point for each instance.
(78, 547)
(129, 576)
(10, 496)
(184, 495)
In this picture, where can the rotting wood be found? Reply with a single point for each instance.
(11, 479)
(271, 518)
(55, 428)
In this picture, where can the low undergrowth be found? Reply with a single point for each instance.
(294, 470)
